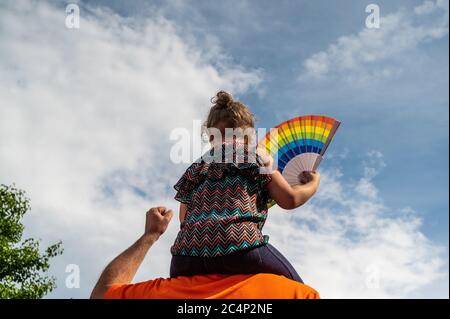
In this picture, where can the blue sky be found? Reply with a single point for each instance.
(90, 110)
(406, 117)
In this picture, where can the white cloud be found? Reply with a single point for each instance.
(85, 117)
(377, 53)
(428, 7)
(347, 244)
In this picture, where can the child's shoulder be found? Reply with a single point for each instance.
(221, 160)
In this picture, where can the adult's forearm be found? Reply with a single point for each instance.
(124, 267)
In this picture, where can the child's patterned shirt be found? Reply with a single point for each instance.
(226, 204)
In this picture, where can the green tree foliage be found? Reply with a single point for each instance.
(22, 267)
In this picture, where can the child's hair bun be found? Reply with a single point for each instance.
(223, 100)
(228, 112)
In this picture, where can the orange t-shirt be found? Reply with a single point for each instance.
(259, 286)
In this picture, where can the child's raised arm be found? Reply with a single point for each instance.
(290, 197)
(285, 195)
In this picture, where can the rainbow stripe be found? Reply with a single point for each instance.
(304, 134)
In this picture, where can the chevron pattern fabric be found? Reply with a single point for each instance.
(226, 208)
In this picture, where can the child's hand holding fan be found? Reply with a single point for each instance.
(299, 145)
(309, 177)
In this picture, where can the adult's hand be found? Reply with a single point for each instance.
(123, 268)
(157, 220)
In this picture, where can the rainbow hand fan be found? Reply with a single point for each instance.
(299, 144)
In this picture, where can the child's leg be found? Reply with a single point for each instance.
(263, 259)
(186, 266)
(241, 262)
(274, 262)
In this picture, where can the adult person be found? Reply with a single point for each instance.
(115, 281)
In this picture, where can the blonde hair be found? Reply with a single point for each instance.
(228, 113)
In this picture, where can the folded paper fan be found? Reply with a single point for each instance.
(299, 144)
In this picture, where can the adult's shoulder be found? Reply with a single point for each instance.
(215, 287)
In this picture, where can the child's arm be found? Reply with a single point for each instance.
(183, 209)
(290, 197)
(285, 195)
